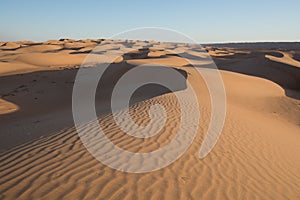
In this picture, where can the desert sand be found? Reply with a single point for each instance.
(42, 156)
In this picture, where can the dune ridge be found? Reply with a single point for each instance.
(255, 158)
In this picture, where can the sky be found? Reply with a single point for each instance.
(204, 21)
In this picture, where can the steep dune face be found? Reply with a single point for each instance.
(256, 156)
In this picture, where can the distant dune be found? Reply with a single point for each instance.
(260, 45)
(256, 157)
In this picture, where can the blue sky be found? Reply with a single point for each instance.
(205, 21)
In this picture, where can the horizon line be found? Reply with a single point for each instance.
(206, 43)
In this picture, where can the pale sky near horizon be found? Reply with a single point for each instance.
(204, 21)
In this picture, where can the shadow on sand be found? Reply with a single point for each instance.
(45, 101)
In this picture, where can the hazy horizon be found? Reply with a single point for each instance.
(107, 38)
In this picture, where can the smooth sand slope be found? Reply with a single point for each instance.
(42, 156)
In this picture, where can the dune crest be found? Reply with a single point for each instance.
(42, 156)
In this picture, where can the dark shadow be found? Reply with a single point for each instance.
(45, 101)
(255, 64)
(140, 54)
(116, 71)
(296, 56)
(276, 54)
(259, 45)
(81, 52)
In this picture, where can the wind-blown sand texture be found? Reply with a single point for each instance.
(42, 157)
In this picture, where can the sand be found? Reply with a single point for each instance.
(42, 156)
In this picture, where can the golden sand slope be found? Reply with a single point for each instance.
(7, 107)
(257, 156)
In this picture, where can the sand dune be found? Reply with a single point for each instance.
(10, 46)
(7, 107)
(283, 71)
(286, 58)
(42, 156)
